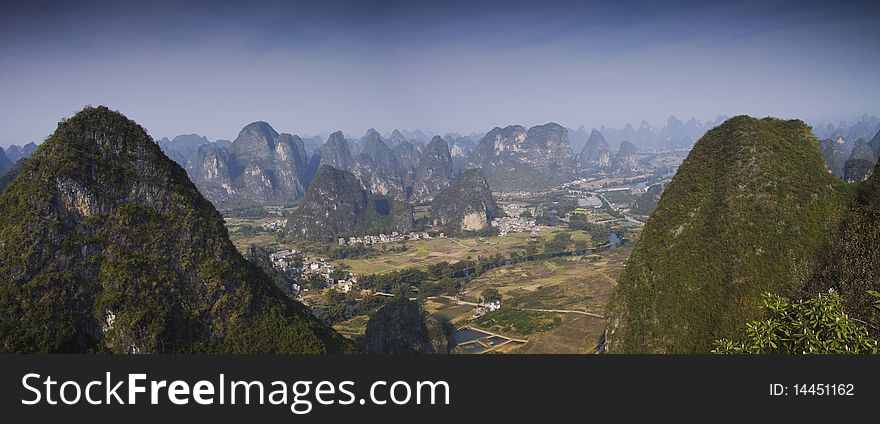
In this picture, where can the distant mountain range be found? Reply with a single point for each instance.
(262, 167)
(107, 244)
(15, 152)
(183, 147)
(674, 135)
(851, 160)
(248, 170)
(864, 128)
(513, 158)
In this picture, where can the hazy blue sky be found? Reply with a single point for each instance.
(313, 67)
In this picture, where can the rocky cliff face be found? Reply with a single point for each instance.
(214, 169)
(861, 161)
(874, 144)
(514, 158)
(312, 145)
(467, 206)
(861, 150)
(835, 153)
(624, 162)
(857, 169)
(460, 149)
(106, 246)
(261, 167)
(378, 169)
(596, 154)
(272, 170)
(337, 205)
(408, 158)
(435, 170)
(335, 152)
(5, 163)
(395, 139)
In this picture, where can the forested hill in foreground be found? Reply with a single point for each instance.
(851, 262)
(749, 211)
(106, 246)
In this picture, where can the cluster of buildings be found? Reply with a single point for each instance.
(513, 222)
(277, 225)
(293, 264)
(486, 307)
(386, 238)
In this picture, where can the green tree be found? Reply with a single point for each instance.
(339, 274)
(491, 295)
(401, 290)
(315, 282)
(817, 326)
(559, 243)
(531, 248)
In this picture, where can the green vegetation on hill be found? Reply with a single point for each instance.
(467, 206)
(336, 205)
(857, 169)
(851, 261)
(747, 213)
(516, 176)
(106, 246)
(647, 202)
(402, 327)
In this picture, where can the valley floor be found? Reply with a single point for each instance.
(556, 305)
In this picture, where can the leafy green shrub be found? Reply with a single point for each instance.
(817, 325)
(491, 295)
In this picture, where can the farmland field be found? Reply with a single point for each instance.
(421, 253)
(554, 305)
(619, 197)
(578, 284)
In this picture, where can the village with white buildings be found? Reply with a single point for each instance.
(514, 222)
(275, 226)
(294, 264)
(484, 308)
(387, 238)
